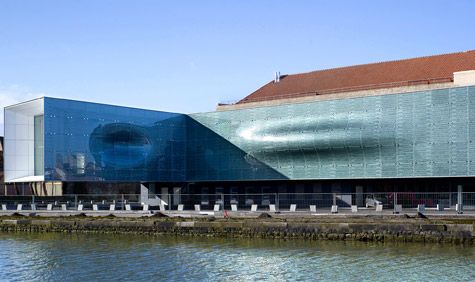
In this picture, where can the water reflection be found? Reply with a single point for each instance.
(72, 257)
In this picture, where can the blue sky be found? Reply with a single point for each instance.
(186, 56)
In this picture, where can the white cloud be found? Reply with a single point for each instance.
(13, 94)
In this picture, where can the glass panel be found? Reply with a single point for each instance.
(39, 144)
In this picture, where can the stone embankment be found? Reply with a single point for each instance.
(377, 228)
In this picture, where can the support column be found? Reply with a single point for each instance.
(395, 200)
(176, 196)
(459, 199)
(359, 196)
(164, 195)
(143, 193)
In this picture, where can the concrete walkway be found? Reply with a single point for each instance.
(236, 214)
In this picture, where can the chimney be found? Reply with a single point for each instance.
(277, 77)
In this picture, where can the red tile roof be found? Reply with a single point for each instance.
(423, 70)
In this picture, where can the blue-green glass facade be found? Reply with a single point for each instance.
(419, 134)
(96, 142)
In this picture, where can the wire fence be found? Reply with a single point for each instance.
(277, 201)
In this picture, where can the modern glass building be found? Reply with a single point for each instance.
(406, 125)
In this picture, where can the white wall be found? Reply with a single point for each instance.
(462, 78)
(19, 139)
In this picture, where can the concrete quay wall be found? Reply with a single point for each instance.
(410, 231)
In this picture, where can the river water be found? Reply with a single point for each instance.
(87, 257)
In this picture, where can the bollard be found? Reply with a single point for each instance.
(379, 208)
(421, 208)
(234, 208)
(334, 209)
(180, 207)
(354, 208)
(313, 208)
(397, 209)
(272, 208)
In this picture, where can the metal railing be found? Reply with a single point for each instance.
(281, 201)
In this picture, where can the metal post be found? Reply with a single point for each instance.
(276, 201)
(75, 201)
(334, 199)
(122, 201)
(222, 201)
(32, 199)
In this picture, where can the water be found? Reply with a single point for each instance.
(87, 257)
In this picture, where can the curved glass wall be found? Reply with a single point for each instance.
(420, 134)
